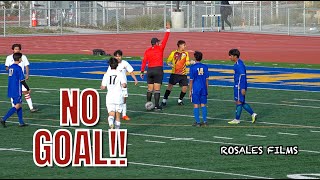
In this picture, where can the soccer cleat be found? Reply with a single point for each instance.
(34, 110)
(126, 118)
(3, 123)
(180, 103)
(158, 108)
(196, 124)
(205, 124)
(254, 117)
(163, 104)
(235, 121)
(23, 125)
(111, 126)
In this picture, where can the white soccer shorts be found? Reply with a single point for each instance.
(114, 108)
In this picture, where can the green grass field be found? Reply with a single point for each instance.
(164, 144)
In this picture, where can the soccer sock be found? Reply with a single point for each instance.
(182, 94)
(196, 115)
(29, 101)
(149, 95)
(156, 98)
(12, 102)
(248, 108)
(9, 113)
(166, 95)
(117, 124)
(110, 120)
(204, 113)
(238, 111)
(19, 112)
(124, 109)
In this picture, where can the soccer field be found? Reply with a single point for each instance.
(164, 144)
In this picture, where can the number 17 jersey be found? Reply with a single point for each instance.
(113, 80)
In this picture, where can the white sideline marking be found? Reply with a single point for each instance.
(142, 87)
(165, 166)
(315, 100)
(219, 137)
(159, 142)
(253, 135)
(290, 134)
(46, 92)
(182, 139)
(315, 131)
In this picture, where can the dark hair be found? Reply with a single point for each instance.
(198, 55)
(113, 62)
(16, 45)
(180, 42)
(17, 56)
(117, 52)
(234, 52)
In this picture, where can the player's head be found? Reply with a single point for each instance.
(16, 48)
(181, 45)
(198, 55)
(234, 54)
(118, 55)
(155, 41)
(113, 62)
(17, 57)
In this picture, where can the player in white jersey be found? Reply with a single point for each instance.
(24, 64)
(124, 67)
(115, 82)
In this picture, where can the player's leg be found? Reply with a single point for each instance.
(111, 112)
(183, 81)
(250, 111)
(118, 112)
(28, 99)
(203, 101)
(150, 81)
(196, 113)
(17, 106)
(222, 21)
(227, 21)
(168, 90)
(156, 87)
(124, 110)
(239, 98)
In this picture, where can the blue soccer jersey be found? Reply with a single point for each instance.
(199, 74)
(240, 80)
(14, 81)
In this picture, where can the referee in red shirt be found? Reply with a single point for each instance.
(154, 57)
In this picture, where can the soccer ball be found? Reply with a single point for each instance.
(149, 105)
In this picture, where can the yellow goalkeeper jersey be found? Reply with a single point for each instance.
(179, 60)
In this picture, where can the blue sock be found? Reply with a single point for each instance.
(248, 108)
(196, 114)
(9, 113)
(19, 112)
(238, 111)
(204, 113)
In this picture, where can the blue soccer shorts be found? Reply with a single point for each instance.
(238, 95)
(199, 99)
(17, 100)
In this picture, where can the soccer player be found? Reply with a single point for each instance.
(123, 67)
(154, 57)
(15, 80)
(240, 86)
(115, 81)
(198, 89)
(24, 64)
(178, 60)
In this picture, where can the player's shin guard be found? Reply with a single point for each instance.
(124, 109)
(238, 111)
(248, 108)
(166, 95)
(204, 113)
(9, 113)
(182, 94)
(196, 115)
(149, 95)
(117, 124)
(156, 98)
(110, 121)
(19, 113)
(29, 101)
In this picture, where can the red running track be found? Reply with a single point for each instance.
(214, 45)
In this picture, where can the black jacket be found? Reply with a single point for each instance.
(225, 8)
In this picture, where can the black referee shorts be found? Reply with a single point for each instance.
(155, 75)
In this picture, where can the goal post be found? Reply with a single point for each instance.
(211, 16)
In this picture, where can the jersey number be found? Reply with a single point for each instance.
(10, 72)
(113, 79)
(200, 71)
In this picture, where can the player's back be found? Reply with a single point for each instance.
(113, 80)
(199, 74)
(15, 76)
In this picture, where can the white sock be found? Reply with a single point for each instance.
(179, 100)
(117, 124)
(164, 100)
(12, 102)
(110, 120)
(29, 101)
(124, 109)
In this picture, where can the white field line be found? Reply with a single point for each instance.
(290, 134)
(159, 142)
(219, 137)
(314, 100)
(254, 135)
(166, 166)
(315, 131)
(46, 92)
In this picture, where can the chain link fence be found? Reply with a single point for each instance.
(94, 17)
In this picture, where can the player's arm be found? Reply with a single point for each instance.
(190, 82)
(143, 65)
(243, 79)
(26, 64)
(188, 62)
(103, 82)
(130, 69)
(25, 85)
(207, 79)
(166, 36)
(27, 72)
(170, 59)
(7, 63)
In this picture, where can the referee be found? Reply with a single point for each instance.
(154, 57)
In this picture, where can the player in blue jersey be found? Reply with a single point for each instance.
(240, 86)
(15, 80)
(198, 89)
